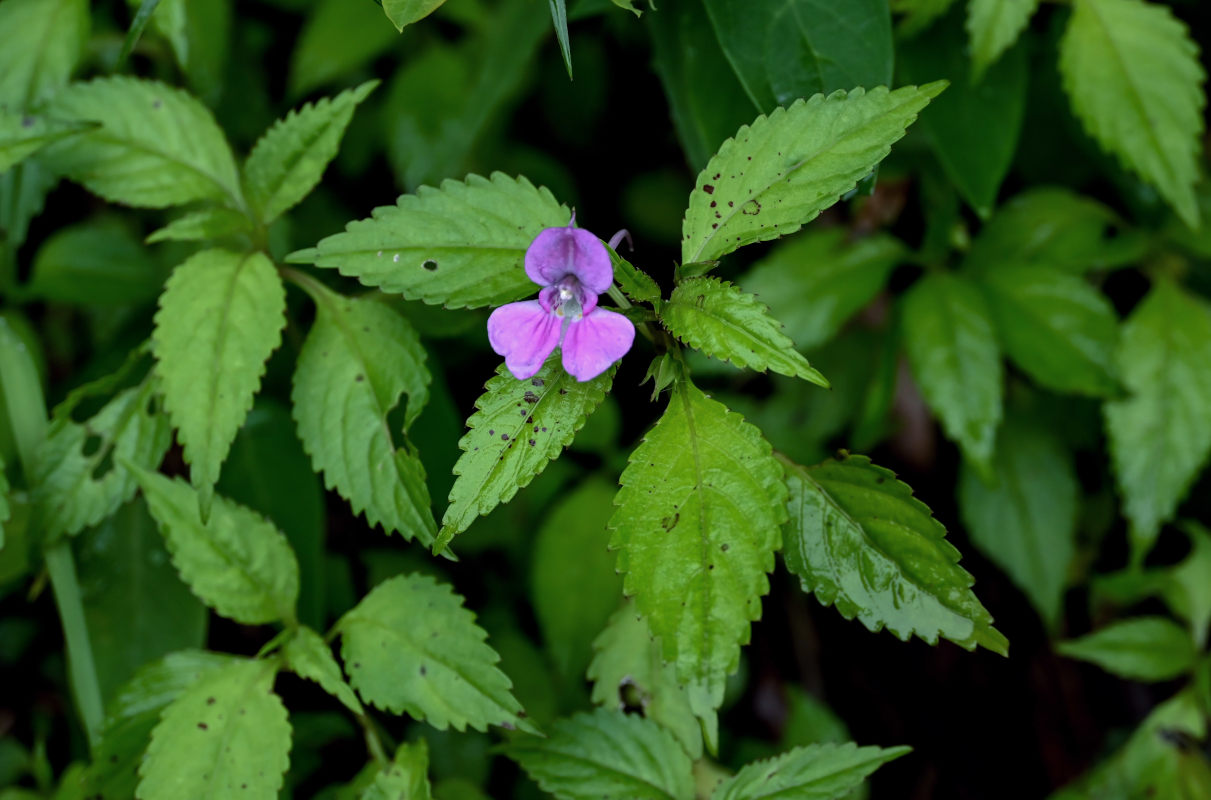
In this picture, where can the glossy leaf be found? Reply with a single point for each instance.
(1132, 72)
(460, 245)
(44, 41)
(518, 427)
(410, 647)
(860, 541)
(780, 172)
(993, 26)
(606, 755)
(715, 317)
(308, 656)
(406, 12)
(1139, 648)
(22, 135)
(823, 771)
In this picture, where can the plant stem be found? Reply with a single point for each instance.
(81, 668)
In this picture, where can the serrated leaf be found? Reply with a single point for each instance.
(715, 317)
(405, 12)
(221, 316)
(635, 283)
(22, 135)
(405, 778)
(156, 146)
(1025, 521)
(953, 351)
(627, 662)
(208, 223)
(1055, 326)
(817, 772)
(44, 40)
(359, 357)
(410, 647)
(308, 656)
(780, 172)
(1132, 73)
(288, 161)
(518, 427)
(1140, 648)
(993, 26)
(462, 245)
(225, 736)
(816, 281)
(860, 541)
(236, 562)
(697, 526)
(606, 755)
(1160, 435)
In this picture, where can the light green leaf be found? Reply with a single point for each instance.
(338, 39)
(518, 427)
(23, 191)
(156, 146)
(715, 317)
(288, 161)
(816, 281)
(860, 541)
(629, 5)
(195, 226)
(635, 283)
(359, 357)
(1160, 435)
(1025, 521)
(410, 647)
(818, 772)
(1132, 73)
(606, 755)
(1055, 326)
(1186, 588)
(237, 562)
(225, 736)
(22, 135)
(1140, 648)
(405, 12)
(308, 656)
(44, 40)
(94, 264)
(779, 173)
(405, 778)
(220, 318)
(137, 25)
(952, 349)
(993, 26)
(627, 669)
(697, 526)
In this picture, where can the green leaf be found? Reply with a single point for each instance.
(405, 778)
(606, 755)
(919, 14)
(993, 26)
(559, 18)
(627, 670)
(1026, 520)
(338, 39)
(196, 226)
(359, 357)
(288, 161)
(156, 146)
(22, 135)
(1055, 326)
(237, 563)
(225, 736)
(137, 25)
(133, 714)
(5, 512)
(629, 5)
(405, 12)
(821, 771)
(779, 173)
(410, 647)
(1160, 435)
(518, 427)
(798, 48)
(715, 317)
(23, 191)
(1186, 588)
(308, 656)
(954, 356)
(1132, 73)
(697, 526)
(816, 281)
(220, 318)
(44, 40)
(94, 264)
(198, 33)
(462, 245)
(635, 283)
(1140, 648)
(860, 541)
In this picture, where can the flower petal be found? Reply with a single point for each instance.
(558, 252)
(594, 343)
(525, 334)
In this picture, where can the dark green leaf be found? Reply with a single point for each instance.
(1140, 648)
(94, 264)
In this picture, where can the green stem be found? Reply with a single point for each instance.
(81, 667)
(373, 744)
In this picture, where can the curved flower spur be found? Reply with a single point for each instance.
(573, 267)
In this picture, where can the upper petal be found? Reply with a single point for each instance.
(594, 343)
(558, 252)
(525, 334)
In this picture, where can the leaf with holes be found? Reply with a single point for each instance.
(1140, 649)
(779, 173)
(308, 656)
(22, 135)
(860, 541)
(410, 647)
(462, 245)
(823, 771)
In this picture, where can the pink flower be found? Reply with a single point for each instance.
(573, 268)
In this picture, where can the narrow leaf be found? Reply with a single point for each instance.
(405, 12)
(44, 40)
(819, 772)
(196, 226)
(1140, 648)
(308, 656)
(993, 26)
(137, 26)
(860, 541)
(22, 135)
(559, 18)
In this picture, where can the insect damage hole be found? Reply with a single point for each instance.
(429, 264)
